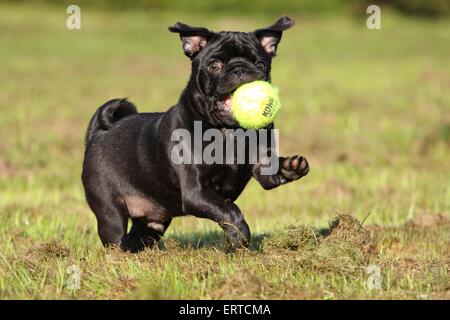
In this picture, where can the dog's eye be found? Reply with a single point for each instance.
(215, 66)
(261, 65)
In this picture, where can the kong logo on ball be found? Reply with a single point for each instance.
(255, 105)
(268, 110)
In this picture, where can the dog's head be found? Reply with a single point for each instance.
(222, 61)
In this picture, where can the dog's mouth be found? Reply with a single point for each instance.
(225, 101)
(223, 113)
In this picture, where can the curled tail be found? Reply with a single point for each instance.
(107, 115)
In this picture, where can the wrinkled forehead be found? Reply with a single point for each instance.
(226, 45)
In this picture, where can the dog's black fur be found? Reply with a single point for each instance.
(128, 172)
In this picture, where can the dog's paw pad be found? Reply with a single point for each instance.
(295, 167)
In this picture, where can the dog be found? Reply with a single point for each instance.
(128, 172)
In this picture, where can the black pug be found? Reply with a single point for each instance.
(128, 172)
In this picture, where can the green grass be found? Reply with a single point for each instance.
(369, 109)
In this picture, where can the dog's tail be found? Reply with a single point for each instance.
(107, 115)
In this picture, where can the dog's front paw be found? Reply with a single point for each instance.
(236, 236)
(293, 168)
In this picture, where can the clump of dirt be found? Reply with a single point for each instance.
(336, 256)
(342, 248)
(348, 228)
(342, 228)
(293, 238)
(243, 284)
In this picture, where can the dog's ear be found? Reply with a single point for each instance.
(270, 37)
(194, 39)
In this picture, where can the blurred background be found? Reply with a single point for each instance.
(430, 8)
(368, 108)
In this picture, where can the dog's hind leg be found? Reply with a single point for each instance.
(112, 225)
(144, 234)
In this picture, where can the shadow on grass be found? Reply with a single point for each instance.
(210, 239)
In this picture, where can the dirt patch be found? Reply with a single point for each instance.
(242, 285)
(49, 250)
(428, 220)
(425, 221)
(6, 169)
(40, 256)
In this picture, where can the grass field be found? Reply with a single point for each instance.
(369, 109)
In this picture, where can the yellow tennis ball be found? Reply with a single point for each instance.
(255, 105)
